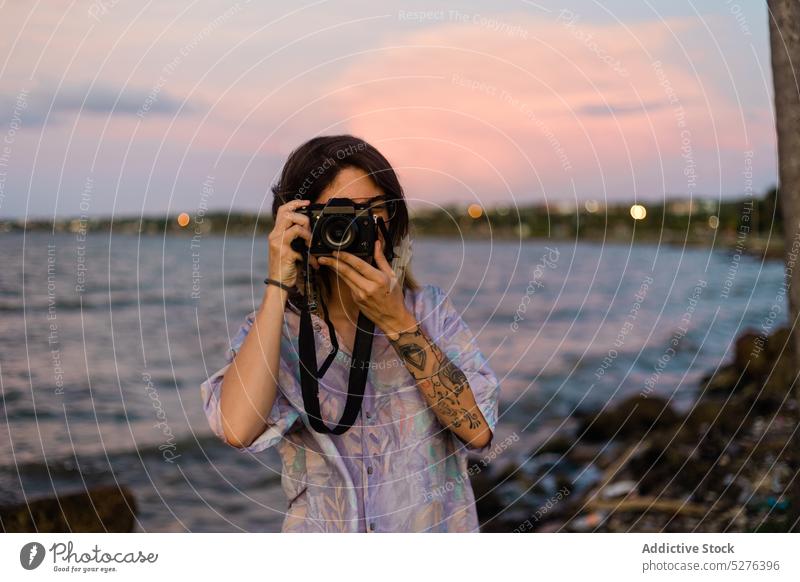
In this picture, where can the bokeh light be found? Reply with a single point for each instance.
(638, 212)
(475, 211)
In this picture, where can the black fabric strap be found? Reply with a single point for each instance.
(309, 376)
(359, 367)
(334, 342)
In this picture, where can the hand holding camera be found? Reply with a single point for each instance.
(374, 289)
(345, 237)
(290, 227)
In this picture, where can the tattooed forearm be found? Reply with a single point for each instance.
(443, 385)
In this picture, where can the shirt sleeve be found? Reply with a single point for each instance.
(280, 418)
(455, 339)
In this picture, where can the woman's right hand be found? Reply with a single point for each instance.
(289, 225)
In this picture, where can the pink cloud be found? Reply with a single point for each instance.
(581, 102)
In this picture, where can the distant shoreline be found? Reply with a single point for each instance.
(768, 249)
(750, 226)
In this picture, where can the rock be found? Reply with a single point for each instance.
(535, 492)
(750, 353)
(586, 453)
(619, 488)
(724, 381)
(631, 418)
(661, 462)
(712, 418)
(778, 343)
(761, 371)
(772, 387)
(701, 416)
(728, 459)
(558, 444)
(587, 522)
(101, 509)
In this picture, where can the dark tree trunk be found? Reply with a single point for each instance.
(784, 29)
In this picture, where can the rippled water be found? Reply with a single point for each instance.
(104, 343)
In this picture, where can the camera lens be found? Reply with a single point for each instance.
(338, 232)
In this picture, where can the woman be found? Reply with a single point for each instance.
(429, 396)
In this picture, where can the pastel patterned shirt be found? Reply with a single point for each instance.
(397, 469)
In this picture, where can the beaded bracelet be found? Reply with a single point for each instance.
(269, 281)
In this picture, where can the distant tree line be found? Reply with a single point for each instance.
(674, 219)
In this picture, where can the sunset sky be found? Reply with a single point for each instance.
(121, 107)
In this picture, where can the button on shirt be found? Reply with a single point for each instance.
(397, 469)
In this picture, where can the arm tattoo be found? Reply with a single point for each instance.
(443, 385)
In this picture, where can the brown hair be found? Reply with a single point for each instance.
(312, 167)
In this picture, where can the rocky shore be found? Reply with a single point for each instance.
(110, 508)
(725, 465)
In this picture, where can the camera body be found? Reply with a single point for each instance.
(339, 225)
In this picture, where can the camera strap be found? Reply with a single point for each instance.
(359, 365)
(334, 342)
(309, 376)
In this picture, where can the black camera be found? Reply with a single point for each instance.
(339, 225)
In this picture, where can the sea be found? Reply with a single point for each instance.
(105, 339)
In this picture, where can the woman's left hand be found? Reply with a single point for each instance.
(375, 291)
